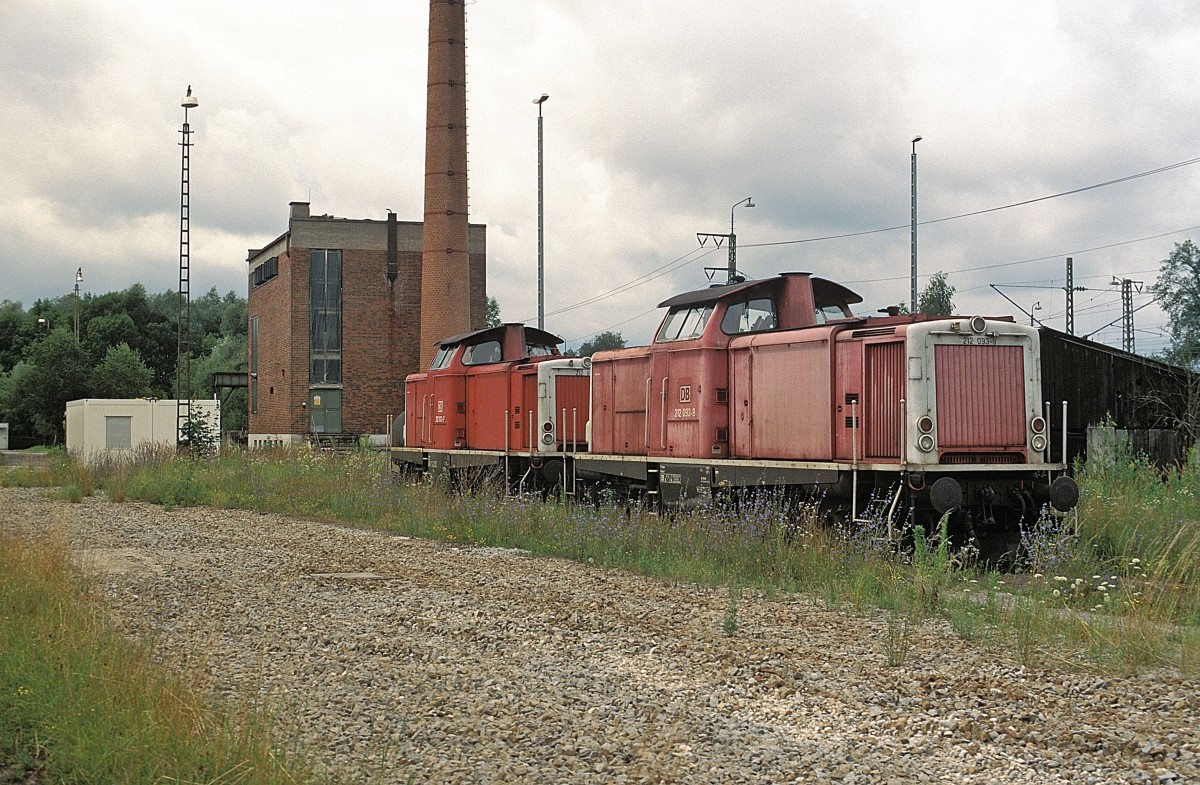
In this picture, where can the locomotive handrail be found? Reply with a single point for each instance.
(662, 428)
(647, 417)
(854, 456)
(903, 435)
(425, 419)
(507, 427)
(1049, 430)
(1064, 439)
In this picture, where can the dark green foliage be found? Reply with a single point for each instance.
(1178, 292)
(121, 374)
(57, 372)
(600, 342)
(937, 299)
(123, 336)
(492, 313)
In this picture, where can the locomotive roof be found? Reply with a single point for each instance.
(824, 291)
(532, 335)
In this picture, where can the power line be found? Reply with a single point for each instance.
(1037, 259)
(1124, 179)
(681, 261)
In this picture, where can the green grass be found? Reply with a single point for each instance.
(81, 704)
(1114, 587)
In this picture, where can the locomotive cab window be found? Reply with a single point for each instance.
(827, 312)
(442, 358)
(749, 316)
(684, 323)
(482, 353)
(538, 350)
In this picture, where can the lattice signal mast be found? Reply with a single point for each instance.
(183, 353)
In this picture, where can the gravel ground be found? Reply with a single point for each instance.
(390, 657)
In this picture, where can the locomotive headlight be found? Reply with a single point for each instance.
(978, 324)
(547, 438)
(925, 424)
(1038, 442)
(547, 426)
(925, 442)
(1038, 425)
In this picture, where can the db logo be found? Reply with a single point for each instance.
(685, 393)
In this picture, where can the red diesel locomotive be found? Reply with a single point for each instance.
(770, 383)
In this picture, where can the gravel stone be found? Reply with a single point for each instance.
(387, 657)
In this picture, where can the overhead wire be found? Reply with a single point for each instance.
(684, 260)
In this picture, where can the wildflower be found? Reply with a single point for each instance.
(1136, 561)
(1061, 578)
(1038, 575)
(1057, 593)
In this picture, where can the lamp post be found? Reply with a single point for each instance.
(78, 280)
(44, 324)
(541, 247)
(913, 293)
(749, 202)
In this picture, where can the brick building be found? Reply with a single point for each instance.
(335, 321)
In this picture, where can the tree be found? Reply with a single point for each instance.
(1178, 292)
(107, 331)
(937, 299)
(121, 374)
(491, 317)
(600, 342)
(59, 373)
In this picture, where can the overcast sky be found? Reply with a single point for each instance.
(661, 116)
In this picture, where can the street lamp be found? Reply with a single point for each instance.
(541, 251)
(78, 280)
(44, 324)
(913, 293)
(732, 277)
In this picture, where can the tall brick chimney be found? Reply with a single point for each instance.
(445, 268)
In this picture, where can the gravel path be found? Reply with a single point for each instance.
(389, 657)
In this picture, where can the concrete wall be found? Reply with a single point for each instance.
(151, 422)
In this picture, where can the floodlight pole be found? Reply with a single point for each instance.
(912, 306)
(183, 353)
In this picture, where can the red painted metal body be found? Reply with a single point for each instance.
(478, 390)
(620, 398)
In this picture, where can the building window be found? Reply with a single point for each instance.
(266, 271)
(254, 365)
(325, 345)
(118, 433)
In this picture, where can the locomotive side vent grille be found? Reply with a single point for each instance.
(851, 398)
(722, 395)
(722, 434)
(873, 331)
(461, 406)
(850, 422)
(885, 387)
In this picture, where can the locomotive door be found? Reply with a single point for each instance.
(741, 423)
